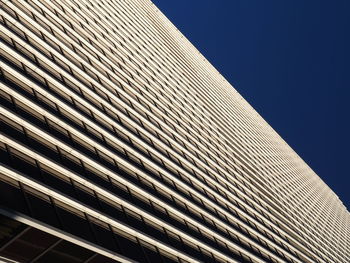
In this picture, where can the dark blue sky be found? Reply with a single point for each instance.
(291, 61)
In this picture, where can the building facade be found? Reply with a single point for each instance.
(121, 143)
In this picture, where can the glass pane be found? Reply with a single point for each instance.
(42, 210)
(152, 256)
(104, 237)
(131, 249)
(75, 224)
(12, 197)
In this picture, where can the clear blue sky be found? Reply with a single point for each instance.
(291, 61)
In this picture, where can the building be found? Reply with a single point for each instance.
(121, 143)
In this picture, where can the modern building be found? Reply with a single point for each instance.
(120, 142)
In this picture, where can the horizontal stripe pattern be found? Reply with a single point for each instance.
(114, 86)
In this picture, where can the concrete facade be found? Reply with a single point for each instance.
(120, 142)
